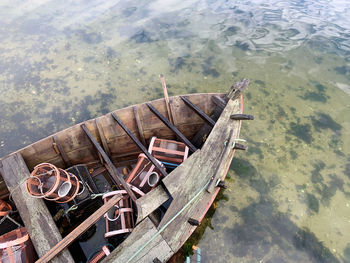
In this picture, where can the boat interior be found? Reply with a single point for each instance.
(77, 170)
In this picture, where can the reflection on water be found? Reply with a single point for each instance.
(289, 194)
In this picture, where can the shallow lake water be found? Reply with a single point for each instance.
(288, 195)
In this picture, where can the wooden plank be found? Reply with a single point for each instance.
(220, 102)
(204, 162)
(142, 233)
(139, 144)
(63, 154)
(232, 94)
(139, 125)
(150, 202)
(116, 177)
(166, 99)
(237, 89)
(171, 127)
(33, 211)
(200, 137)
(79, 230)
(197, 110)
(103, 137)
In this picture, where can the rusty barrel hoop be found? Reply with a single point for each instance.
(5, 208)
(45, 175)
(16, 245)
(52, 183)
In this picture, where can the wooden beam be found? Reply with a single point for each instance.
(116, 177)
(220, 102)
(103, 137)
(243, 117)
(79, 230)
(221, 159)
(150, 202)
(140, 145)
(36, 217)
(139, 125)
(171, 127)
(63, 154)
(237, 89)
(233, 93)
(166, 99)
(197, 110)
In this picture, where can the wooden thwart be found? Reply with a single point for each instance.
(117, 178)
(171, 127)
(63, 154)
(139, 125)
(140, 145)
(220, 102)
(198, 111)
(80, 229)
(103, 137)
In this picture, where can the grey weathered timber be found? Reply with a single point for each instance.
(194, 173)
(103, 137)
(220, 102)
(150, 202)
(235, 90)
(197, 110)
(143, 232)
(172, 127)
(57, 144)
(116, 176)
(34, 213)
(139, 125)
(200, 137)
(140, 145)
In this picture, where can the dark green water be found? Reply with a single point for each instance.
(288, 196)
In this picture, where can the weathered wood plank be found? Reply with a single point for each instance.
(166, 100)
(140, 145)
(139, 125)
(61, 151)
(150, 202)
(142, 233)
(220, 102)
(234, 92)
(204, 162)
(103, 137)
(197, 110)
(201, 136)
(34, 213)
(171, 127)
(65, 242)
(117, 178)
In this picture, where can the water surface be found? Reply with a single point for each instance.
(288, 196)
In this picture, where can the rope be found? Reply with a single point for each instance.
(168, 223)
(15, 188)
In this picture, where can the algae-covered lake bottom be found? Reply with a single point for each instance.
(288, 195)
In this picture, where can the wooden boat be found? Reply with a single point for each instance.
(209, 124)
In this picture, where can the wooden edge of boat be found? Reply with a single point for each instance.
(72, 146)
(151, 243)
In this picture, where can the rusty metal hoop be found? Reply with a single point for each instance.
(15, 246)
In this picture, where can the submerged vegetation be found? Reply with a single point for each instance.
(58, 70)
